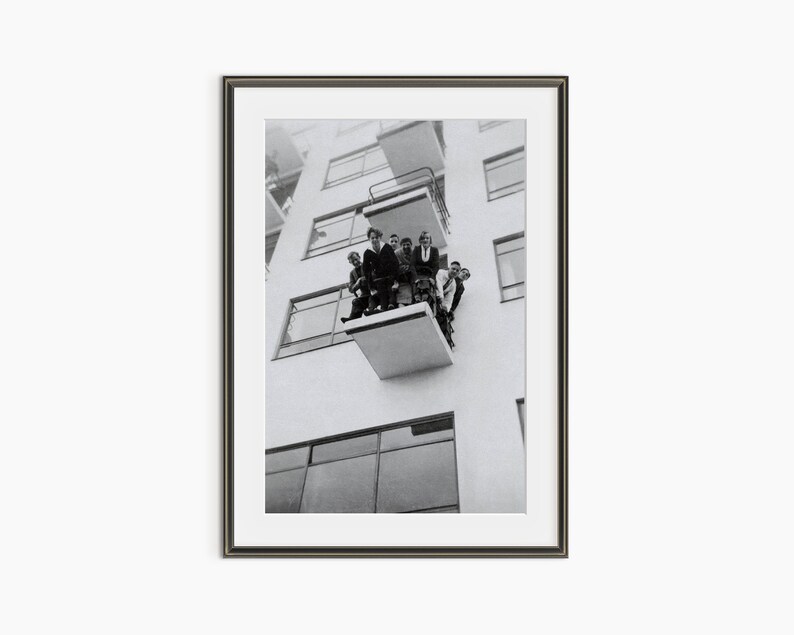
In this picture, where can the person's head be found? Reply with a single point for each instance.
(354, 259)
(406, 245)
(394, 241)
(425, 240)
(454, 269)
(464, 275)
(374, 235)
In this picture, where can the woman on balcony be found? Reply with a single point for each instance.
(425, 258)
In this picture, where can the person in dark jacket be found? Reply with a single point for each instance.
(425, 258)
(381, 269)
(459, 289)
(357, 284)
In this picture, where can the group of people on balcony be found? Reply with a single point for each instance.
(397, 274)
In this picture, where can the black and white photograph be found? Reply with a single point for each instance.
(395, 316)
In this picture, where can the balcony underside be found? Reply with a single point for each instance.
(412, 145)
(407, 215)
(401, 341)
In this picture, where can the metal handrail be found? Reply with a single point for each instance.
(425, 178)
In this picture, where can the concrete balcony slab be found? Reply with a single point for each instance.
(402, 341)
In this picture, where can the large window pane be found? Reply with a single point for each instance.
(340, 487)
(513, 292)
(505, 175)
(345, 306)
(330, 231)
(360, 227)
(345, 168)
(311, 322)
(512, 267)
(277, 461)
(511, 261)
(283, 492)
(417, 478)
(316, 300)
(345, 448)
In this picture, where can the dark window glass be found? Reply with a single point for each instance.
(512, 266)
(417, 478)
(277, 461)
(283, 492)
(340, 487)
(415, 435)
(345, 448)
(505, 173)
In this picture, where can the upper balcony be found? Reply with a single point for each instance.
(409, 145)
(409, 204)
(401, 341)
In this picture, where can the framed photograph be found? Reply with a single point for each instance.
(395, 316)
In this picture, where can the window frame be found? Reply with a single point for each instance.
(503, 155)
(358, 209)
(363, 151)
(339, 289)
(442, 417)
(499, 241)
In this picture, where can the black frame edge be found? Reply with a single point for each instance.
(229, 83)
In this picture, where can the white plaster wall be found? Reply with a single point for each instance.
(681, 339)
(334, 390)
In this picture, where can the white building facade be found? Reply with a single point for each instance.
(380, 414)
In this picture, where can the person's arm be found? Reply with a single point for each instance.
(353, 284)
(440, 280)
(434, 260)
(366, 269)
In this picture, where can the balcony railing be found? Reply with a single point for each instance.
(413, 180)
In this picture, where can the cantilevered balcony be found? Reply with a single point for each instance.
(401, 341)
(409, 145)
(409, 204)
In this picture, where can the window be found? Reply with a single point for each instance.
(504, 174)
(313, 322)
(511, 266)
(487, 124)
(355, 165)
(408, 467)
(337, 231)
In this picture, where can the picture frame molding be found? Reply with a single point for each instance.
(229, 85)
